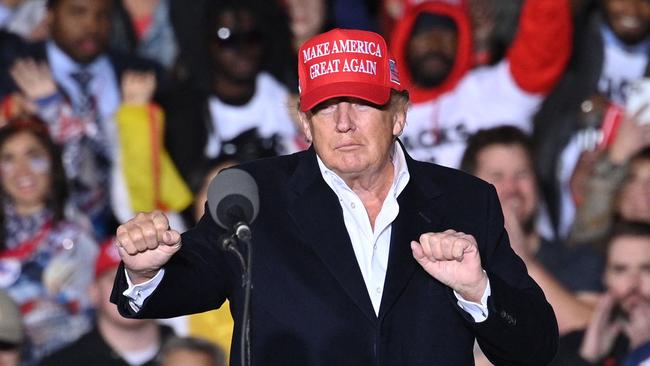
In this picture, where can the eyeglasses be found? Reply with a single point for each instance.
(227, 37)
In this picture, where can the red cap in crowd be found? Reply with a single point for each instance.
(108, 257)
(346, 63)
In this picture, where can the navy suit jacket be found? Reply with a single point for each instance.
(310, 305)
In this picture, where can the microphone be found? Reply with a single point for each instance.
(233, 201)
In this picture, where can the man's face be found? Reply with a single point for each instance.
(81, 27)
(237, 46)
(629, 19)
(351, 136)
(431, 55)
(627, 272)
(509, 169)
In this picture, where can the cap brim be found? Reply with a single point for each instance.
(369, 92)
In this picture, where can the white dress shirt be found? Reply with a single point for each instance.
(371, 247)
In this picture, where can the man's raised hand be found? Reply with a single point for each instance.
(452, 258)
(145, 244)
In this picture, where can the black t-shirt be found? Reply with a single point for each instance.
(578, 268)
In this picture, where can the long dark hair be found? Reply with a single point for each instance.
(58, 193)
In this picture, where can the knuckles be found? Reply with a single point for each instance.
(438, 244)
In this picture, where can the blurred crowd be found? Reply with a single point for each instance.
(113, 107)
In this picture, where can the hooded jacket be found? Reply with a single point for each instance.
(510, 92)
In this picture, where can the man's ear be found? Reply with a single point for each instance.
(399, 119)
(305, 122)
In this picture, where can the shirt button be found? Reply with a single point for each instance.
(378, 289)
(374, 247)
(353, 205)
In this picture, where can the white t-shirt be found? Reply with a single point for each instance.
(486, 97)
(268, 111)
(622, 65)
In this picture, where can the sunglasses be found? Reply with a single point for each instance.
(227, 37)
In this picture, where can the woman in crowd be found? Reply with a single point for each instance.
(46, 256)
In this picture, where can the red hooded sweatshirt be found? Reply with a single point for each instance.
(537, 57)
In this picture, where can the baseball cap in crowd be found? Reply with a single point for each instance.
(108, 258)
(12, 331)
(346, 63)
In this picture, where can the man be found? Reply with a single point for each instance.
(570, 278)
(619, 331)
(114, 341)
(85, 76)
(241, 97)
(364, 256)
(433, 47)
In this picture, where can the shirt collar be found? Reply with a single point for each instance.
(610, 38)
(401, 174)
(63, 65)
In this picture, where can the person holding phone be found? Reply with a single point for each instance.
(619, 331)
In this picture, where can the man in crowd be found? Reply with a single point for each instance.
(364, 256)
(242, 98)
(114, 341)
(619, 331)
(433, 47)
(570, 277)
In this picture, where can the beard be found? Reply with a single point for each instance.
(629, 302)
(431, 69)
(632, 39)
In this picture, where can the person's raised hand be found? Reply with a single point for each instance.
(33, 78)
(601, 331)
(637, 328)
(452, 258)
(145, 244)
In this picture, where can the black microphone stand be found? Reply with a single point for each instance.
(242, 234)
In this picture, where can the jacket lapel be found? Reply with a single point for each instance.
(319, 217)
(418, 214)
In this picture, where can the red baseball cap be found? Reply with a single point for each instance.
(108, 258)
(346, 63)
